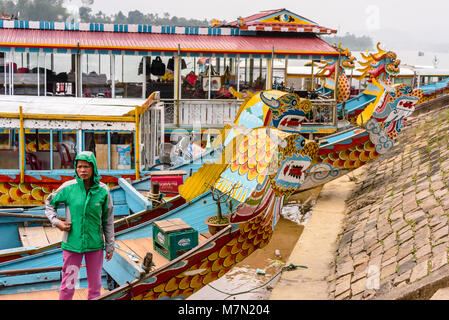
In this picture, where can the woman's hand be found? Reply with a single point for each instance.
(109, 255)
(64, 226)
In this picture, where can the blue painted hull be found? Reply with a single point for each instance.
(193, 213)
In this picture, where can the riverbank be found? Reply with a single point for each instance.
(255, 276)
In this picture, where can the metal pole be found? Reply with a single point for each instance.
(21, 146)
(45, 74)
(311, 85)
(11, 72)
(237, 68)
(177, 79)
(144, 82)
(210, 78)
(38, 77)
(337, 72)
(113, 75)
(4, 73)
(137, 135)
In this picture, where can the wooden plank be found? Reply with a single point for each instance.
(168, 173)
(23, 237)
(171, 225)
(140, 247)
(53, 234)
(33, 236)
(202, 237)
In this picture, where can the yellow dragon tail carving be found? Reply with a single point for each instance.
(209, 173)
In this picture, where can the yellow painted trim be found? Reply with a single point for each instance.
(363, 117)
(321, 131)
(269, 74)
(177, 91)
(38, 116)
(22, 146)
(137, 144)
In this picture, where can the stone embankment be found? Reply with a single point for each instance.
(395, 239)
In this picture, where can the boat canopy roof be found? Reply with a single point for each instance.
(274, 32)
(68, 105)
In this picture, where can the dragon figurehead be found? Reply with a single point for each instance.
(327, 70)
(380, 66)
(273, 108)
(264, 150)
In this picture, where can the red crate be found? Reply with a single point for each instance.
(169, 181)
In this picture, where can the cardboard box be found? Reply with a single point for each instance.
(120, 156)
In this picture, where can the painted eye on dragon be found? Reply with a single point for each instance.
(294, 103)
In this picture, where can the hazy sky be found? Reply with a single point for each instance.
(421, 21)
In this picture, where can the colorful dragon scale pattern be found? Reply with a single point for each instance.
(253, 221)
(219, 259)
(17, 194)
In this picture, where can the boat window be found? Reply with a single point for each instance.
(9, 149)
(128, 81)
(61, 79)
(38, 154)
(96, 75)
(159, 75)
(403, 80)
(253, 74)
(113, 150)
(29, 73)
(64, 149)
(195, 78)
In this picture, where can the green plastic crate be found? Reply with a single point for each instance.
(173, 244)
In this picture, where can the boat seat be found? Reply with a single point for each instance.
(39, 236)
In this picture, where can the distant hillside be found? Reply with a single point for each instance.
(351, 41)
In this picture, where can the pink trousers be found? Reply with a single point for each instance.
(70, 269)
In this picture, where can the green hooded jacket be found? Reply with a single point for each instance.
(91, 213)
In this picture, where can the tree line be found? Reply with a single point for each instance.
(351, 41)
(57, 10)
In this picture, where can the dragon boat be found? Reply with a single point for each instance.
(264, 158)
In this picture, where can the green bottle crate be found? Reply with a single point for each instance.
(172, 238)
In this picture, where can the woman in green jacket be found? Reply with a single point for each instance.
(88, 227)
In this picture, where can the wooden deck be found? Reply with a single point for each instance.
(39, 236)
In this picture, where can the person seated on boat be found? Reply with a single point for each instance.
(89, 216)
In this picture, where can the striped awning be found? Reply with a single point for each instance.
(140, 43)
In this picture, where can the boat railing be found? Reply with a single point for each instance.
(219, 112)
(323, 113)
(216, 112)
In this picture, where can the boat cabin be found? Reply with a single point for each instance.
(193, 68)
(40, 137)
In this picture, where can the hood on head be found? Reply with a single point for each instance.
(89, 157)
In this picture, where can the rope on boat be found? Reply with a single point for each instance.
(290, 267)
(156, 197)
